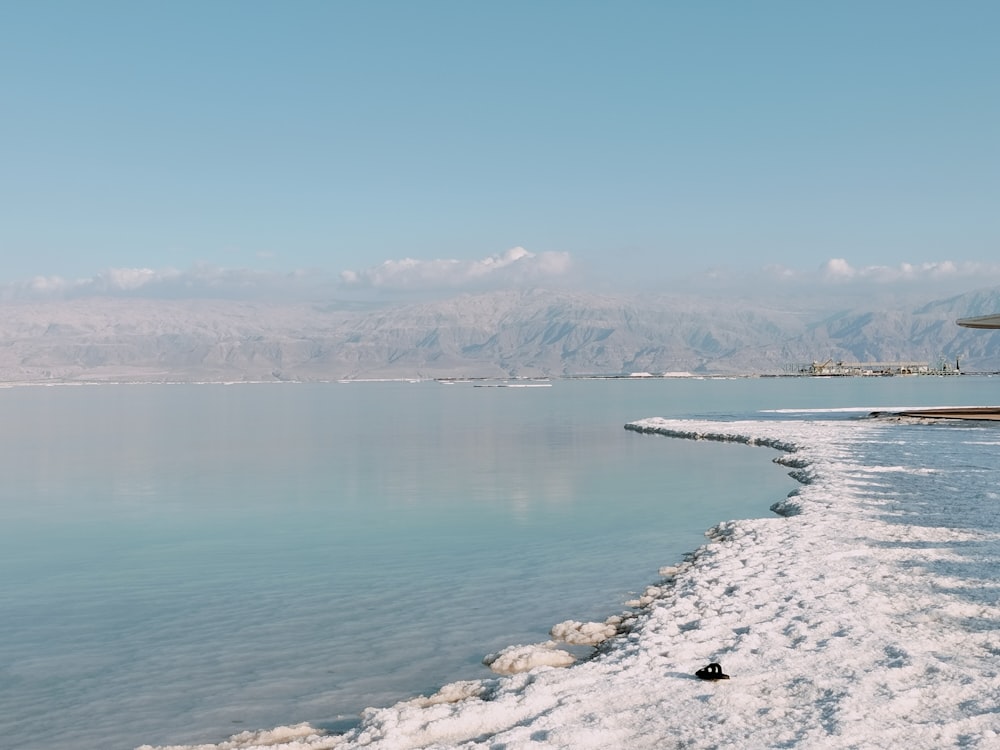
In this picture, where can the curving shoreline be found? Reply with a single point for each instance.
(834, 637)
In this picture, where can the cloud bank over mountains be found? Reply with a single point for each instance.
(839, 270)
(201, 281)
(513, 269)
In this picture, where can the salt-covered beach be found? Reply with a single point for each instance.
(864, 614)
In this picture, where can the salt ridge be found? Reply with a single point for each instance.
(849, 621)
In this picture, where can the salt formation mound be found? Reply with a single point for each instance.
(584, 633)
(517, 659)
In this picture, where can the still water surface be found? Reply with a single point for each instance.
(178, 563)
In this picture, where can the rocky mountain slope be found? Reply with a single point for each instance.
(500, 334)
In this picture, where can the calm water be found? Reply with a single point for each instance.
(178, 563)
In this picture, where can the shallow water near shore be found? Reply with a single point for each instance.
(178, 563)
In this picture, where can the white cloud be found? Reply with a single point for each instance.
(130, 279)
(852, 285)
(779, 271)
(46, 285)
(515, 266)
(199, 281)
(110, 281)
(839, 270)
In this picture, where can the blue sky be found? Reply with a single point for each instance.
(422, 144)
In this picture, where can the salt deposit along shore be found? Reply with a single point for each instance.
(865, 614)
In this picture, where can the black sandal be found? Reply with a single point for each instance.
(712, 672)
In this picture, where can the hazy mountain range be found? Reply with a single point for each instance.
(495, 334)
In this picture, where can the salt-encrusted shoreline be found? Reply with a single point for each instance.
(840, 625)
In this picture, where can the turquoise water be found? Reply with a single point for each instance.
(178, 563)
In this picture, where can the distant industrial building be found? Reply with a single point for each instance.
(870, 369)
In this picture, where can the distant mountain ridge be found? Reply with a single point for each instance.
(498, 334)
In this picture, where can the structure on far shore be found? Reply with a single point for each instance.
(982, 321)
(991, 413)
(856, 369)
